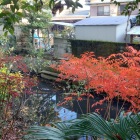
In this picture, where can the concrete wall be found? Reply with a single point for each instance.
(121, 33)
(102, 33)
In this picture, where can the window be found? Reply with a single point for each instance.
(103, 11)
(121, 8)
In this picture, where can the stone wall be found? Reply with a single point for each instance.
(61, 46)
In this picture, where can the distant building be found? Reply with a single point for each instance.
(67, 16)
(112, 29)
(134, 35)
(107, 8)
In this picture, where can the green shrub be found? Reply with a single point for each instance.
(100, 48)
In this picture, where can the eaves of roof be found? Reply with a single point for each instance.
(107, 2)
(69, 18)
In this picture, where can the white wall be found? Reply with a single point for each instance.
(105, 1)
(99, 1)
(113, 10)
(102, 33)
(121, 32)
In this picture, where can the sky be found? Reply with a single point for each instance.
(83, 3)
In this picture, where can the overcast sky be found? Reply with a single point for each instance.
(83, 3)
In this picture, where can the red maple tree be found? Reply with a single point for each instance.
(117, 75)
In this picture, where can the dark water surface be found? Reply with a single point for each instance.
(52, 91)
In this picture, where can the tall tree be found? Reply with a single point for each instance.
(37, 20)
(12, 11)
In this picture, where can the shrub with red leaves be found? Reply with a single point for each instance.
(117, 75)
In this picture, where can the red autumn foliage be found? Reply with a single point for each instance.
(15, 81)
(14, 77)
(117, 75)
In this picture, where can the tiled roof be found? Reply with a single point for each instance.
(116, 20)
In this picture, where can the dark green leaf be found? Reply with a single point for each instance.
(91, 125)
(51, 4)
(5, 2)
(19, 14)
(5, 33)
(73, 9)
(12, 7)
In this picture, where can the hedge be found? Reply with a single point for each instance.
(100, 48)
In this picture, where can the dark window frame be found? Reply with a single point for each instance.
(103, 13)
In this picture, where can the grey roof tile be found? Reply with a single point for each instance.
(116, 20)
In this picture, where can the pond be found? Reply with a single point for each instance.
(51, 94)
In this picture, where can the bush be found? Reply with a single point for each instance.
(100, 48)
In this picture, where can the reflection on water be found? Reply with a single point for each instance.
(45, 89)
(52, 92)
(54, 98)
(65, 114)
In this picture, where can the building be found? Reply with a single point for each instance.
(68, 16)
(112, 29)
(107, 8)
(134, 35)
